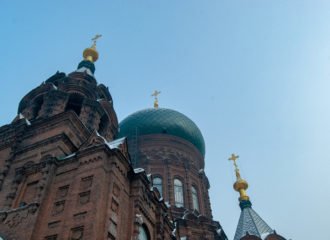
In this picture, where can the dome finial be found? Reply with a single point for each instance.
(90, 54)
(240, 185)
(155, 94)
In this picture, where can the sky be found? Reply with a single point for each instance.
(254, 75)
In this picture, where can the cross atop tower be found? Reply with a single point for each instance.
(234, 158)
(94, 39)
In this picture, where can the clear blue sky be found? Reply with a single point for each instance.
(254, 75)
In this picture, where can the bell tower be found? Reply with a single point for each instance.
(77, 92)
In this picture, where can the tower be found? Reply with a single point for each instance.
(250, 225)
(64, 175)
(170, 146)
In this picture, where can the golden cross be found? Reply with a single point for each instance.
(94, 39)
(234, 158)
(155, 94)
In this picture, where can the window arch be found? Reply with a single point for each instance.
(143, 233)
(37, 104)
(75, 103)
(103, 125)
(178, 193)
(158, 183)
(194, 196)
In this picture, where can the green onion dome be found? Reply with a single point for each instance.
(162, 121)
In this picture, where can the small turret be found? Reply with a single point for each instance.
(250, 225)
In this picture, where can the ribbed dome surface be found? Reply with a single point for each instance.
(162, 121)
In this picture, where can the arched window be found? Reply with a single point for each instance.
(75, 103)
(143, 233)
(104, 123)
(194, 198)
(158, 183)
(37, 104)
(178, 193)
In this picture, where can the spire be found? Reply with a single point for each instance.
(155, 94)
(250, 223)
(90, 56)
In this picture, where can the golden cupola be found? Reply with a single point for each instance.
(90, 56)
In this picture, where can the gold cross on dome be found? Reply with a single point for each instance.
(155, 94)
(94, 39)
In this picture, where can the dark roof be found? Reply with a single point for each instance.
(162, 121)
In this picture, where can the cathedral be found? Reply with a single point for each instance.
(70, 170)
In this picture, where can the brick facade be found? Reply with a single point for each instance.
(65, 176)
